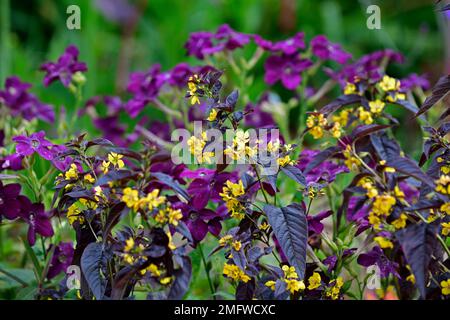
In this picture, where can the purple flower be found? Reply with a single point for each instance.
(11, 162)
(145, 88)
(414, 81)
(208, 186)
(285, 68)
(315, 225)
(256, 117)
(38, 220)
(368, 67)
(288, 46)
(377, 257)
(26, 146)
(61, 161)
(197, 43)
(327, 171)
(64, 69)
(331, 261)
(201, 44)
(61, 259)
(111, 129)
(230, 39)
(10, 204)
(324, 49)
(20, 102)
(200, 222)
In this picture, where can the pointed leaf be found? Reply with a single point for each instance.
(291, 229)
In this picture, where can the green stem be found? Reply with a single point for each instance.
(211, 288)
(260, 184)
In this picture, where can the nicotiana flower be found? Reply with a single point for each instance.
(377, 257)
(288, 46)
(285, 68)
(202, 221)
(38, 220)
(207, 185)
(198, 42)
(61, 259)
(368, 67)
(11, 162)
(256, 117)
(201, 44)
(326, 172)
(144, 86)
(20, 102)
(36, 142)
(414, 81)
(326, 50)
(10, 203)
(65, 68)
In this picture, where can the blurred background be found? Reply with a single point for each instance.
(119, 36)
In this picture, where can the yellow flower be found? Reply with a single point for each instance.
(152, 200)
(161, 217)
(130, 197)
(270, 284)
(376, 106)
(129, 245)
(446, 208)
(349, 88)
(88, 203)
(316, 123)
(225, 240)
(443, 184)
(72, 173)
(445, 228)
(234, 272)
(174, 216)
(411, 278)
(284, 161)
(397, 96)
(294, 285)
(400, 223)
(334, 291)
(314, 281)
(105, 166)
(232, 190)
(195, 100)
(383, 242)
(116, 160)
(342, 117)
(212, 115)
(445, 287)
(350, 161)
(237, 245)
(264, 226)
(165, 280)
(273, 146)
(289, 272)
(171, 245)
(389, 84)
(88, 178)
(383, 204)
(336, 130)
(74, 214)
(365, 116)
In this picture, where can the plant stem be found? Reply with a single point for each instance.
(211, 288)
(260, 184)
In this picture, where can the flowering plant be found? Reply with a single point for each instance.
(236, 188)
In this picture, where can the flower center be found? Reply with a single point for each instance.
(193, 215)
(35, 143)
